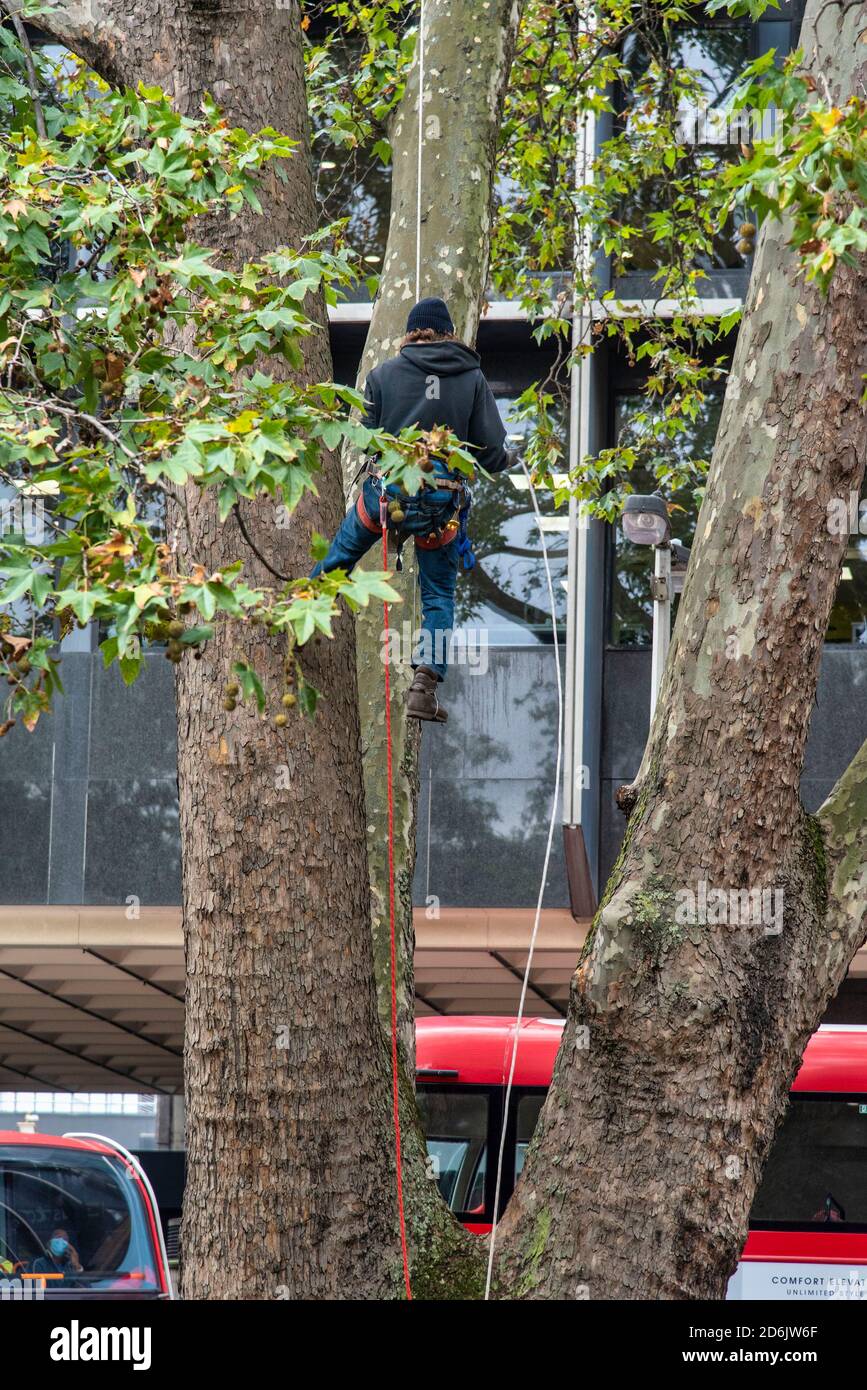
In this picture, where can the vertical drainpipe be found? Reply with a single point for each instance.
(582, 591)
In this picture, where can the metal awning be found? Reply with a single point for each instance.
(92, 1001)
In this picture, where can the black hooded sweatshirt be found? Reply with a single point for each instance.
(430, 384)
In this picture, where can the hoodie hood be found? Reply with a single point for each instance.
(441, 359)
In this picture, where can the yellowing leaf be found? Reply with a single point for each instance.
(827, 120)
(144, 592)
(245, 422)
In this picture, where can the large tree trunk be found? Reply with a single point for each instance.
(288, 1137)
(290, 1149)
(643, 1169)
(468, 52)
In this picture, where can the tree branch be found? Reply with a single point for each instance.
(32, 81)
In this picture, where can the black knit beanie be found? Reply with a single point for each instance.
(430, 313)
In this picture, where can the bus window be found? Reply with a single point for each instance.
(528, 1114)
(816, 1173)
(77, 1217)
(456, 1128)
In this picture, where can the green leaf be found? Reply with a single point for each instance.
(251, 686)
(319, 547)
(194, 635)
(130, 665)
(308, 698)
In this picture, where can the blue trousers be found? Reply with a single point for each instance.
(437, 570)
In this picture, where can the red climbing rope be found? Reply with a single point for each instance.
(383, 521)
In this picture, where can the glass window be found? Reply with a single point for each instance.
(715, 55)
(816, 1174)
(632, 606)
(506, 594)
(529, 1108)
(456, 1127)
(350, 180)
(26, 513)
(73, 1215)
(848, 621)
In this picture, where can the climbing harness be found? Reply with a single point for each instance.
(551, 824)
(465, 545)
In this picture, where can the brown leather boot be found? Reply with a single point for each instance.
(421, 698)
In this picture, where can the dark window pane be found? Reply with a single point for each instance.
(848, 621)
(715, 56)
(817, 1168)
(528, 1115)
(456, 1127)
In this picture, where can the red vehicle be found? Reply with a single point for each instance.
(78, 1219)
(808, 1230)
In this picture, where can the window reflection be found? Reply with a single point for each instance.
(507, 591)
(848, 622)
(815, 1172)
(632, 606)
(350, 181)
(456, 1129)
(715, 55)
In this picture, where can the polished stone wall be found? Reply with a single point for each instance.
(88, 802)
(487, 779)
(837, 730)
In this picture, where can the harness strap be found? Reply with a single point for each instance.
(437, 539)
(361, 513)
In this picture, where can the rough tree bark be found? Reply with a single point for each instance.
(468, 52)
(289, 1144)
(646, 1159)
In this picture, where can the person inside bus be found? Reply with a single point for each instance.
(434, 382)
(830, 1210)
(60, 1256)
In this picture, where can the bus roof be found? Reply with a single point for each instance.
(477, 1050)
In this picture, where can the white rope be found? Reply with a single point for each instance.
(552, 823)
(420, 144)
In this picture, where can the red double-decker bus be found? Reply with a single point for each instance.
(808, 1228)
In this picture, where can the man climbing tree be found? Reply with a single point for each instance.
(434, 384)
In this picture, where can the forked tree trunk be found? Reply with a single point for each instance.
(644, 1166)
(468, 50)
(290, 1151)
